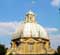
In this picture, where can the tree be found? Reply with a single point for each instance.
(2, 49)
(58, 49)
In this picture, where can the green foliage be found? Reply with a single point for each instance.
(58, 49)
(2, 49)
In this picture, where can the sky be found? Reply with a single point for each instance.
(12, 12)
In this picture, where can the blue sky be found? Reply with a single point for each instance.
(13, 11)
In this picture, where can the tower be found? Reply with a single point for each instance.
(30, 38)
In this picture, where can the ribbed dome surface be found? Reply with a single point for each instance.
(30, 30)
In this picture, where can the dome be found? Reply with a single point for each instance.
(30, 30)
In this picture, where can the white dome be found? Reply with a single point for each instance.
(30, 30)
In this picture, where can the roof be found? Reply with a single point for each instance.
(30, 29)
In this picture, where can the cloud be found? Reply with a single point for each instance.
(33, 2)
(55, 3)
(55, 41)
(52, 29)
(55, 37)
(6, 28)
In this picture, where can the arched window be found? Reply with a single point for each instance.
(31, 47)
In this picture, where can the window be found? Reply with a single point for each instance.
(30, 47)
